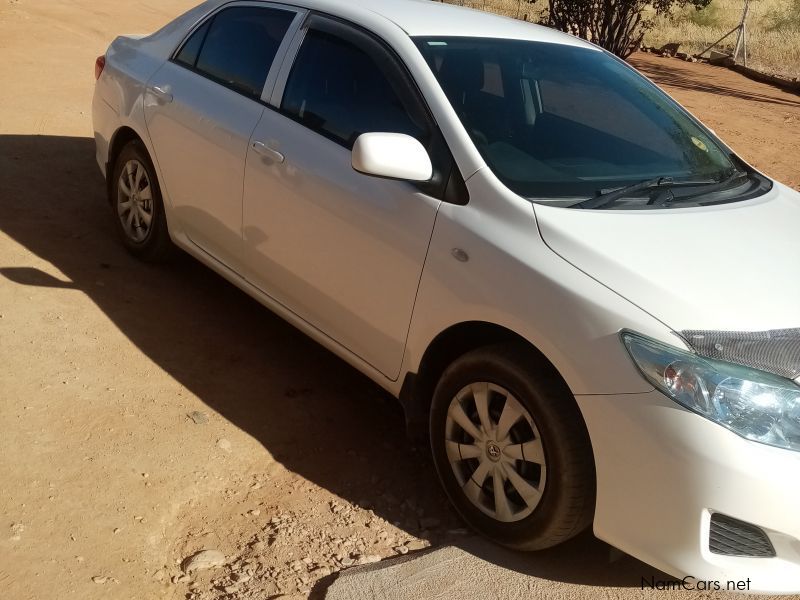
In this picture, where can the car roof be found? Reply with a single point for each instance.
(431, 19)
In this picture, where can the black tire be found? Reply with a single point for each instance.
(566, 504)
(155, 245)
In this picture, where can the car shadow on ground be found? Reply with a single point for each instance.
(299, 400)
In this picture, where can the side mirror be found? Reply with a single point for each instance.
(393, 155)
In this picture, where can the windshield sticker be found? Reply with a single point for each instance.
(699, 144)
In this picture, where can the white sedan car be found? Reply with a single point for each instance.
(585, 296)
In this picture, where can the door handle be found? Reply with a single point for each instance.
(163, 94)
(267, 152)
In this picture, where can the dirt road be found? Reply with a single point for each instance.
(147, 413)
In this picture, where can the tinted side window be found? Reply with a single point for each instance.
(188, 53)
(240, 46)
(346, 85)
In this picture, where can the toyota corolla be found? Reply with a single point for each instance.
(584, 296)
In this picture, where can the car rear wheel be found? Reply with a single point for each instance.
(136, 198)
(511, 449)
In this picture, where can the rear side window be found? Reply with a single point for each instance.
(237, 46)
(344, 83)
(188, 54)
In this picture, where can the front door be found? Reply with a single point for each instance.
(341, 249)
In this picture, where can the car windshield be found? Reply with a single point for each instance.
(555, 121)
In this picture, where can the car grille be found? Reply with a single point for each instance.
(732, 537)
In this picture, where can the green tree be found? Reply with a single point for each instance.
(616, 25)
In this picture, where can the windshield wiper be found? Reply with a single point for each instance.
(603, 200)
(713, 186)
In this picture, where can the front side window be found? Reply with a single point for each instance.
(237, 46)
(557, 122)
(343, 84)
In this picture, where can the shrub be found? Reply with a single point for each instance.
(707, 16)
(616, 25)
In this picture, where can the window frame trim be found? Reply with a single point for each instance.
(445, 185)
(300, 15)
(288, 67)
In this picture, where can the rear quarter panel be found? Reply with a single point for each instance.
(131, 60)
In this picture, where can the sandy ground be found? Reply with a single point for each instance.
(151, 412)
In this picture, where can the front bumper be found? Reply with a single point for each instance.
(663, 470)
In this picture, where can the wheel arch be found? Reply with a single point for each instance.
(122, 136)
(455, 341)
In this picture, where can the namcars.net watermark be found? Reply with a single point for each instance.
(693, 584)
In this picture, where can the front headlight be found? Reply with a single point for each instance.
(757, 405)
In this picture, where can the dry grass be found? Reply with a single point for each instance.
(773, 41)
(519, 9)
(773, 31)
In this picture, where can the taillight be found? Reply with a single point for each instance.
(99, 65)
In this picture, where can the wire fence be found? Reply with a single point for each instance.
(773, 28)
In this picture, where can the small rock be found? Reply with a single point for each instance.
(416, 544)
(205, 559)
(224, 445)
(370, 558)
(16, 531)
(401, 549)
(198, 417)
(99, 579)
(254, 513)
(321, 571)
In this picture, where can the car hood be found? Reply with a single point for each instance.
(728, 267)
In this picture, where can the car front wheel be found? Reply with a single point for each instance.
(511, 448)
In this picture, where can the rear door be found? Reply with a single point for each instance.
(341, 249)
(201, 108)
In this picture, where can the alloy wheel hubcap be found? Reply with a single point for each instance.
(135, 201)
(495, 451)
